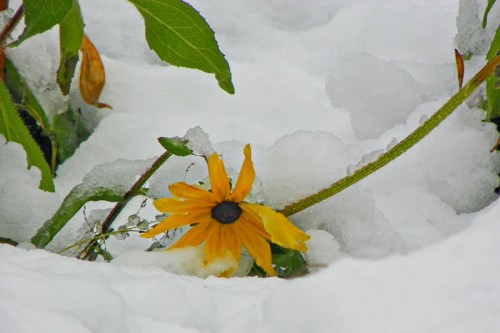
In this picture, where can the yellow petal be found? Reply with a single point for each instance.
(173, 205)
(222, 241)
(253, 223)
(218, 178)
(258, 247)
(196, 235)
(245, 178)
(92, 75)
(172, 222)
(282, 231)
(183, 190)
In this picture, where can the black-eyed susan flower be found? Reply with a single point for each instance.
(225, 222)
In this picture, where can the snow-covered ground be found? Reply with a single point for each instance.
(320, 86)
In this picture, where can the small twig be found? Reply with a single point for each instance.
(14, 20)
(4, 4)
(134, 190)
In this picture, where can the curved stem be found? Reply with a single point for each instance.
(401, 147)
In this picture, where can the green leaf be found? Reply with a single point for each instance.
(487, 11)
(182, 37)
(70, 130)
(175, 146)
(492, 83)
(40, 16)
(286, 262)
(13, 128)
(114, 182)
(23, 95)
(70, 40)
(71, 204)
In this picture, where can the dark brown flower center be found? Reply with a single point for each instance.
(226, 212)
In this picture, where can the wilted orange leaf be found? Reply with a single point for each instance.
(460, 68)
(92, 75)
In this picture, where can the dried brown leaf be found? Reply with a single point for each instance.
(92, 75)
(460, 68)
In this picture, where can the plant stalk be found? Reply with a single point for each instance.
(11, 25)
(87, 252)
(412, 139)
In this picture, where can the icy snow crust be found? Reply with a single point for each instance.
(322, 87)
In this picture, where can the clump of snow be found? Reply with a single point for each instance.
(118, 175)
(322, 249)
(456, 178)
(184, 261)
(376, 94)
(198, 142)
(471, 37)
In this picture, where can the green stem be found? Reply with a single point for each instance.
(134, 190)
(401, 147)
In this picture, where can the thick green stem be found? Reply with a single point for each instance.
(86, 254)
(401, 147)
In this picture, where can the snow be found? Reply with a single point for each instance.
(447, 287)
(322, 88)
(390, 93)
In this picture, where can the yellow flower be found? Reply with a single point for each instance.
(224, 221)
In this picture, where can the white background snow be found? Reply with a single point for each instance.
(320, 87)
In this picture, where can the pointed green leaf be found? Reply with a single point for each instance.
(487, 11)
(70, 40)
(23, 95)
(13, 128)
(182, 37)
(71, 204)
(175, 146)
(41, 15)
(492, 83)
(113, 182)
